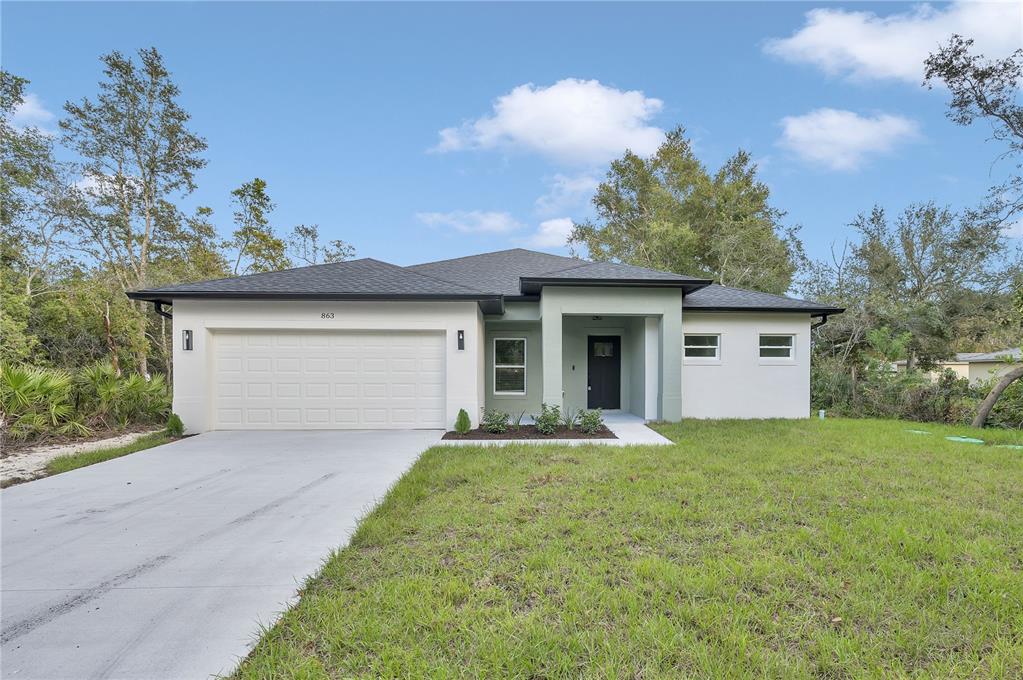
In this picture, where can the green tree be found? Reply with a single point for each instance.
(985, 89)
(667, 212)
(138, 155)
(254, 240)
(305, 247)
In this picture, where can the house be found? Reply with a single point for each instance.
(977, 367)
(367, 344)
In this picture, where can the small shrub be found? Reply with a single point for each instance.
(591, 421)
(517, 422)
(570, 418)
(494, 421)
(175, 427)
(462, 423)
(548, 420)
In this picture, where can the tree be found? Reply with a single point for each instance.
(137, 156)
(915, 272)
(989, 90)
(304, 246)
(254, 237)
(667, 212)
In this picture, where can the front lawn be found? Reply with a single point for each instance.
(771, 549)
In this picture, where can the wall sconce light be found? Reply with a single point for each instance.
(186, 341)
(461, 339)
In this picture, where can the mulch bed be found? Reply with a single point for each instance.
(530, 432)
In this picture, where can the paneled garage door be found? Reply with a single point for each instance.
(304, 380)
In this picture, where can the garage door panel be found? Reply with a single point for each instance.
(283, 380)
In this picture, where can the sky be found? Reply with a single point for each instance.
(423, 131)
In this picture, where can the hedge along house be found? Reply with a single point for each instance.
(366, 344)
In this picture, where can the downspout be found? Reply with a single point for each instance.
(824, 320)
(158, 306)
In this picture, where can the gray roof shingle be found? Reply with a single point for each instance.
(983, 357)
(718, 297)
(487, 277)
(497, 272)
(365, 276)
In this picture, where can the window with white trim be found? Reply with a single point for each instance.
(509, 365)
(777, 346)
(702, 346)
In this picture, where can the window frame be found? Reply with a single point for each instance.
(768, 359)
(523, 366)
(717, 348)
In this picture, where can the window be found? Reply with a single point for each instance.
(776, 346)
(509, 365)
(603, 349)
(702, 346)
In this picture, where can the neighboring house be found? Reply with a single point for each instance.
(367, 344)
(975, 366)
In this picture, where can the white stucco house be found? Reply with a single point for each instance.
(367, 344)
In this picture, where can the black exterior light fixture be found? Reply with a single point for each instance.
(186, 340)
(461, 339)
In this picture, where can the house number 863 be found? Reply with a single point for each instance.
(327, 315)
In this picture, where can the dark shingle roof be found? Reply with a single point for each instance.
(509, 273)
(497, 272)
(725, 298)
(983, 357)
(356, 277)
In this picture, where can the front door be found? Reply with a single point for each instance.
(604, 371)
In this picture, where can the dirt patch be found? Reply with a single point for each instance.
(27, 463)
(530, 432)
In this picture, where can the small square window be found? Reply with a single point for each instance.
(702, 346)
(603, 349)
(776, 346)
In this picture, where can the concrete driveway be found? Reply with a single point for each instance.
(164, 563)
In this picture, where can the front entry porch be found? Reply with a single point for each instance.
(610, 348)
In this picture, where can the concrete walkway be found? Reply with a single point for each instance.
(630, 429)
(164, 563)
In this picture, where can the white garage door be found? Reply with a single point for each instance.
(306, 379)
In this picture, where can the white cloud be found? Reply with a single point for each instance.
(471, 221)
(1014, 230)
(566, 191)
(842, 140)
(864, 45)
(573, 121)
(31, 113)
(551, 233)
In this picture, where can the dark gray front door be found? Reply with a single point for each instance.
(604, 371)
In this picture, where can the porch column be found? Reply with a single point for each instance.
(651, 367)
(550, 330)
(671, 365)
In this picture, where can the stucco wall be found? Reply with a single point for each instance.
(191, 369)
(740, 384)
(983, 371)
(575, 332)
(511, 403)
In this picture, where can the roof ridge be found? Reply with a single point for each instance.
(492, 252)
(436, 278)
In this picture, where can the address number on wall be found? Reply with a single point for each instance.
(327, 315)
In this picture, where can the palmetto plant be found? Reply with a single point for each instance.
(36, 401)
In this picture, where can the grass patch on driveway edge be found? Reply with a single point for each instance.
(73, 461)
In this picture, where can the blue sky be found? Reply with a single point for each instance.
(341, 107)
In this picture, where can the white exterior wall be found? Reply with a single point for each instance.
(192, 389)
(739, 384)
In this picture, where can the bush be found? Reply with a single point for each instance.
(548, 420)
(37, 402)
(462, 423)
(1008, 410)
(570, 418)
(591, 421)
(494, 421)
(175, 427)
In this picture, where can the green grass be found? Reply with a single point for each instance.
(77, 460)
(750, 549)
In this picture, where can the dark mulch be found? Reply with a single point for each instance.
(530, 432)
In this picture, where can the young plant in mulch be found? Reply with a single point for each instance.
(494, 421)
(591, 421)
(548, 420)
(462, 422)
